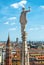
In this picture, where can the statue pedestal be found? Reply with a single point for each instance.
(25, 53)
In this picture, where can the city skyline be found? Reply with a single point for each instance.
(10, 11)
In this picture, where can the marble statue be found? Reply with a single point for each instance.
(23, 19)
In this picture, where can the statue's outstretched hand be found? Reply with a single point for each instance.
(29, 8)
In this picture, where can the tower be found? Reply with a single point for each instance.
(16, 40)
(8, 55)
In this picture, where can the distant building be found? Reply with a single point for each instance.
(16, 40)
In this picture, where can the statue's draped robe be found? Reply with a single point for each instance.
(23, 20)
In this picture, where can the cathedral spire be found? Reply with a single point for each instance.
(8, 40)
(8, 55)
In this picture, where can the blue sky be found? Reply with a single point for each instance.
(10, 11)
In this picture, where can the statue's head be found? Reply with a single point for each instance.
(23, 8)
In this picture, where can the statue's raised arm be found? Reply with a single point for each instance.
(27, 10)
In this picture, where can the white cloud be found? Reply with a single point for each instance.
(42, 6)
(37, 28)
(12, 29)
(34, 29)
(11, 18)
(17, 5)
(12, 23)
(31, 29)
(6, 23)
(42, 27)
